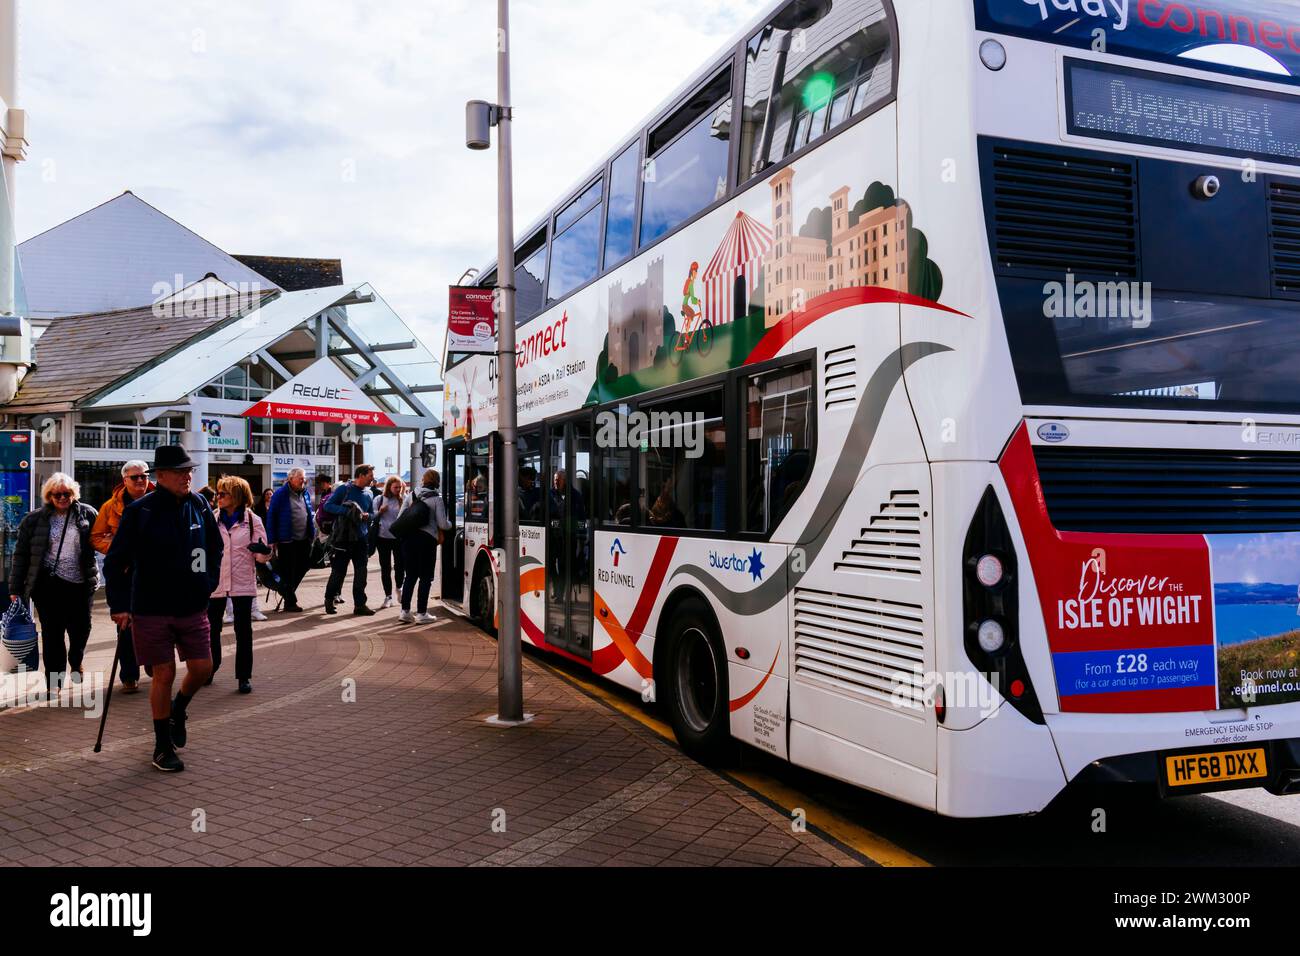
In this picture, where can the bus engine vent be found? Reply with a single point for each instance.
(1059, 211)
(860, 645)
(841, 388)
(890, 545)
(1284, 238)
(1169, 491)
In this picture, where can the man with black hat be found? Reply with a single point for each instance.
(164, 562)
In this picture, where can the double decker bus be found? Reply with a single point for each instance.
(913, 396)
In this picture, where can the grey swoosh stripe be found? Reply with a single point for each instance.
(862, 434)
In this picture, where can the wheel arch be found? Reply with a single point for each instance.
(684, 594)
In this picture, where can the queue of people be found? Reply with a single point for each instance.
(175, 559)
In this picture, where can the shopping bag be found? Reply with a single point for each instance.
(19, 647)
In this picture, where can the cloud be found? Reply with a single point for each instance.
(333, 128)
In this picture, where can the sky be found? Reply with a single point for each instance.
(335, 128)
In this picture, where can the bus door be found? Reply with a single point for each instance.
(568, 536)
(453, 543)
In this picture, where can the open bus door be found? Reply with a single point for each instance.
(453, 544)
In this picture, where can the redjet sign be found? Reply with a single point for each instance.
(320, 393)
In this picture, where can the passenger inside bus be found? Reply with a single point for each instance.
(530, 495)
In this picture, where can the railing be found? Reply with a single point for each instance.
(143, 438)
(293, 445)
(123, 437)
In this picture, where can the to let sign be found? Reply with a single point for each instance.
(471, 320)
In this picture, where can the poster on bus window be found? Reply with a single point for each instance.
(1161, 623)
(1204, 622)
(1257, 617)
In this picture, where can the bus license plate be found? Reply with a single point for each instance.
(1224, 766)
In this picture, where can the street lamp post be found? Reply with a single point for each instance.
(478, 116)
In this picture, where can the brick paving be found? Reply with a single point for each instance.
(407, 773)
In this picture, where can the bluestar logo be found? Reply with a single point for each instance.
(752, 565)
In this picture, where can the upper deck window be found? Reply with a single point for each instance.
(575, 250)
(530, 274)
(687, 168)
(622, 207)
(827, 60)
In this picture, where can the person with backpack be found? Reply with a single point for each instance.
(54, 565)
(349, 539)
(240, 528)
(420, 527)
(135, 485)
(163, 564)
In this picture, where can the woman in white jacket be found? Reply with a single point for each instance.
(421, 548)
(239, 528)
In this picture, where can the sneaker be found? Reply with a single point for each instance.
(178, 731)
(245, 686)
(425, 618)
(405, 617)
(363, 611)
(167, 761)
(291, 609)
(329, 607)
(76, 676)
(388, 602)
(130, 687)
(259, 615)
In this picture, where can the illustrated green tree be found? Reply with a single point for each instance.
(924, 277)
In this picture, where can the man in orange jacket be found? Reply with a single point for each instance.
(135, 484)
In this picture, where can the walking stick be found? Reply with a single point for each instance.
(112, 676)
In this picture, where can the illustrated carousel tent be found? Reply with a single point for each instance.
(741, 254)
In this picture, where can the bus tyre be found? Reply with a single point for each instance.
(483, 603)
(695, 687)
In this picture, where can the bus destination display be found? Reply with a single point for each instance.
(1134, 106)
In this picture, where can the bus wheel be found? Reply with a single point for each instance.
(696, 682)
(482, 606)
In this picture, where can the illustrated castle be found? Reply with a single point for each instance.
(871, 252)
(636, 321)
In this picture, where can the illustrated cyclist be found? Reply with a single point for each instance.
(689, 298)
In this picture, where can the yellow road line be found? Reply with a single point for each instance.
(871, 845)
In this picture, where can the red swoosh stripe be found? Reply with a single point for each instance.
(735, 705)
(781, 334)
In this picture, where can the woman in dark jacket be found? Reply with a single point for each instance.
(54, 564)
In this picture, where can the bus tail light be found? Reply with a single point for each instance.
(991, 606)
(940, 705)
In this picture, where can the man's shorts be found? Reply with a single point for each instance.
(159, 639)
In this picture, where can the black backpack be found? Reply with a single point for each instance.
(411, 520)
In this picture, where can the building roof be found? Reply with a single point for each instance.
(123, 254)
(294, 274)
(81, 355)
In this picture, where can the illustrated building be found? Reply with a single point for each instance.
(636, 321)
(870, 252)
(873, 251)
(796, 272)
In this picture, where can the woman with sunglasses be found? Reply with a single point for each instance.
(135, 485)
(239, 528)
(54, 564)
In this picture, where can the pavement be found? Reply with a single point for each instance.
(365, 742)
